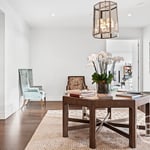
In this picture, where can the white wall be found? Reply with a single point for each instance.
(146, 59)
(130, 33)
(57, 53)
(16, 56)
(121, 48)
(2, 32)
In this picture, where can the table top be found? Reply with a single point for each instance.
(111, 100)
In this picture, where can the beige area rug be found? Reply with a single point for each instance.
(48, 135)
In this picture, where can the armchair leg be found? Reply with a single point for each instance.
(25, 102)
(43, 102)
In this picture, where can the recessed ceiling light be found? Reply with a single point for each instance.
(52, 14)
(129, 14)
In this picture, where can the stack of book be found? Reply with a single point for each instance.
(87, 93)
(130, 94)
(73, 93)
(80, 93)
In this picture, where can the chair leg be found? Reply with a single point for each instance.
(84, 113)
(43, 103)
(25, 102)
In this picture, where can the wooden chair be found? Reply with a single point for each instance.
(77, 83)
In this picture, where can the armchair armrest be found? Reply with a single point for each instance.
(32, 90)
(39, 87)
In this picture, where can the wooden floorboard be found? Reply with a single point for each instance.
(17, 130)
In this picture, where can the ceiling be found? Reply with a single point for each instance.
(78, 13)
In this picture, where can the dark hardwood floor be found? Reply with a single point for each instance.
(16, 131)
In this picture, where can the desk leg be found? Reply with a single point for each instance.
(92, 138)
(65, 120)
(147, 119)
(132, 127)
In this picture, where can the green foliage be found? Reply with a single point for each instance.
(104, 77)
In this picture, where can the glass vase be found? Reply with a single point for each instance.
(103, 87)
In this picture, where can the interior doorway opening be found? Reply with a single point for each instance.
(126, 72)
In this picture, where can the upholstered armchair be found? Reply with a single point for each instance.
(27, 90)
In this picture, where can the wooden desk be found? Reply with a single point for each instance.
(116, 102)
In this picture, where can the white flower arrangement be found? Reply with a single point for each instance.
(100, 62)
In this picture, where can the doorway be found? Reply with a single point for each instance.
(126, 72)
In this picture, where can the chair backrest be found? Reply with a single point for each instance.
(25, 79)
(76, 82)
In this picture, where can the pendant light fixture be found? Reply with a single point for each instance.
(105, 20)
